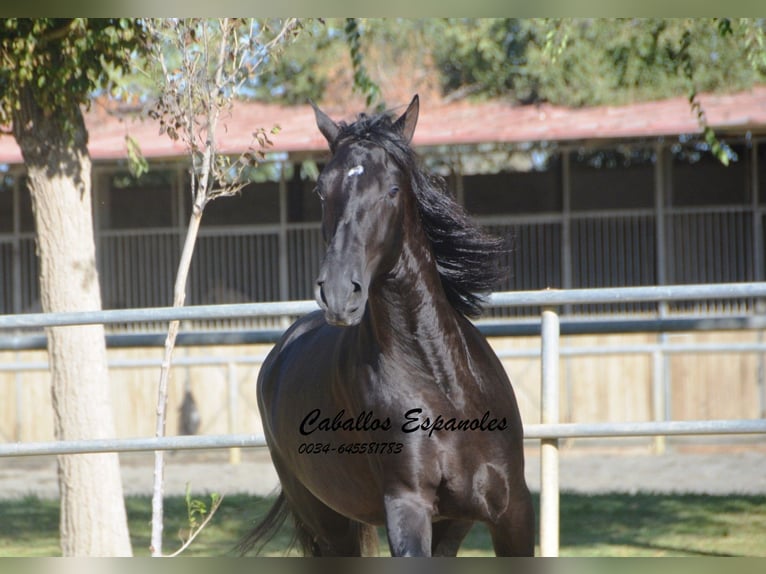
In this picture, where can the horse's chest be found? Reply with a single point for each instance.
(337, 474)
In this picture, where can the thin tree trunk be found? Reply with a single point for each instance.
(201, 197)
(206, 102)
(179, 297)
(93, 517)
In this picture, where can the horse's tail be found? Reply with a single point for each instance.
(267, 528)
(302, 536)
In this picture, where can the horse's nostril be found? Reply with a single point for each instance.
(357, 287)
(320, 288)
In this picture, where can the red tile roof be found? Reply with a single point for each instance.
(440, 124)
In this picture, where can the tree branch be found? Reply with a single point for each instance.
(195, 531)
(190, 108)
(60, 32)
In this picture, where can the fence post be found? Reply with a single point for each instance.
(760, 376)
(658, 392)
(235, 453)
(18, 430)
(284, 259)
(549, 448)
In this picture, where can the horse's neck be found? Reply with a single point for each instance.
(412, 319)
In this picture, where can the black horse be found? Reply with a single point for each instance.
(388, 407)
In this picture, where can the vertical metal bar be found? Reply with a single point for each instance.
(661, 370)
(17, 301)
(567, 272)
(457, 169)
(658, 397)
(284, 258)
(566, 220)
(179, 188)
(96, 179)
(757, 239)
(16, 247)
(19, 389)
(706, 266)
(532, 235)
(549, 448)
(758, 265)
(659, 212)
(235, 453)
(761, 379)
(284, 275)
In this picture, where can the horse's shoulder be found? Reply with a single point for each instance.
(284, 347)
(302, 326)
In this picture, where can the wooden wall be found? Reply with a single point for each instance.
(593, 389)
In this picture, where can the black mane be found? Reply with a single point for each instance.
(469, 260)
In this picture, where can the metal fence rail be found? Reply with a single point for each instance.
(548, 298)
(507, 328)
(531, 353)
(549, 432)
(552, 297)
(531, 432)
(157, 314)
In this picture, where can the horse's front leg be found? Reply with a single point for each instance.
(408, 523)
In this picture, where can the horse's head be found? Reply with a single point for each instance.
(363, 191)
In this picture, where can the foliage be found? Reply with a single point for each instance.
(606, 61)
(303, 73)
(595, 62)
(199, 515)
(203, 65)
(481, 56)
(137, 163)
(63, 60)
(196, 509)
(297, 76)
(573, 62)
(362, 80)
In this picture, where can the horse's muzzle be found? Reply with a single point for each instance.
(343, 301)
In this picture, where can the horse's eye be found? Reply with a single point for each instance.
(393, 190)
(319, 193)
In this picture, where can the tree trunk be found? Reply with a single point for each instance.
(93, 517)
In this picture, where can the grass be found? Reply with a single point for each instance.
(591, 525)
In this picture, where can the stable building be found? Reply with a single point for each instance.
(594, 197)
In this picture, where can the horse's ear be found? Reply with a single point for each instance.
(328, 127)
(409, 119)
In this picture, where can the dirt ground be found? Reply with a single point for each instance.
(722, 469)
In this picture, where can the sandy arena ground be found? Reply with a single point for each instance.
(713, 469)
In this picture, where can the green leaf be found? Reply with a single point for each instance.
(362, 81)
(724, 27)
(137, 163)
